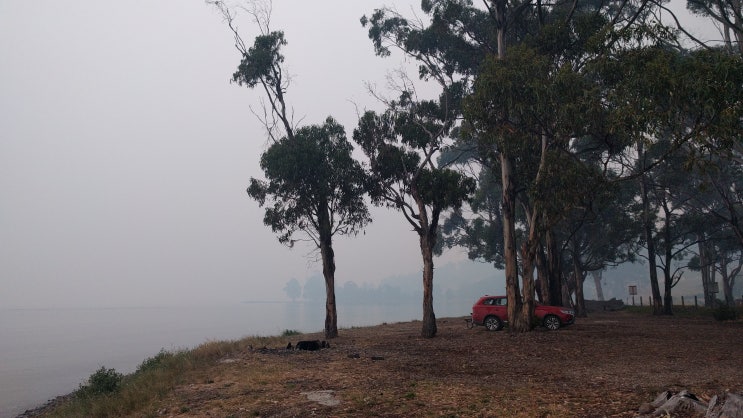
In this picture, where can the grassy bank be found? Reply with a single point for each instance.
(110, 394)
(608, 364)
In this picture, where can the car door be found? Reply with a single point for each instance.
(500, 307)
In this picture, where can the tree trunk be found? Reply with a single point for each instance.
(728, 280)
(543, 281)
(567, 291)
(509, 236)
(328, 272)
(554, 269)
(429, 318)
(668, 279)
(648, 230)
(705, 269)
(597, 282)
(523, 321)
(580, 303)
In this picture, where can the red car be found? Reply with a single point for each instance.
(492, 312)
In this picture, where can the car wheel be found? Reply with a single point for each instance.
(493, 323)
(551, 322)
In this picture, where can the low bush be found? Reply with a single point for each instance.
(103, 381)
(724, 312)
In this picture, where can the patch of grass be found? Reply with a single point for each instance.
(688, 311)
(111, 394)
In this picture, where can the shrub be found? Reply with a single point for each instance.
(290, 332)
(103, 381)
(152, 363)
(724, 312)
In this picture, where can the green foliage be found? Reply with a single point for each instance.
(155, 362)
(262, 62)
(102, 381)
(311, 179)
(290, 333)
(400, 144)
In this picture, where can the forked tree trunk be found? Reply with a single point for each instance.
(706, 271)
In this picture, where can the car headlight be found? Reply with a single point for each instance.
(567, 311)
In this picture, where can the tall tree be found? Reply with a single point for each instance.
(402, 145)
(313, 186)
(459, 39)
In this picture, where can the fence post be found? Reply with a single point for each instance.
(640, 300)
(695, 301)
(682, 302)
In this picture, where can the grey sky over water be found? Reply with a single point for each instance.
(125, 152)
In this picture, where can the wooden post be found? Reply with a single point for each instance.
(682, 302)
(640, 300)
(695, 301)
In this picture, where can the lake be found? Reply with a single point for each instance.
(49, 352)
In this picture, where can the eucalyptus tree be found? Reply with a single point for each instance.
(728, 14)
(402, 144)
(465, 41)
(716, 207)
(313, 188)
(691, 104)
(599, 235)
(674, 231)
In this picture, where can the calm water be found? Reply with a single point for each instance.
(49, 352)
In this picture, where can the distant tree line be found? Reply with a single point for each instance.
(465, 282)
(566, 138)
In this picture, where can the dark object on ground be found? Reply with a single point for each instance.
(289, 346)
(313, 345)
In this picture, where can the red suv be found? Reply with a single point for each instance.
(492, 312)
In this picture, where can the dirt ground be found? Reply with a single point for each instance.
(606, 365)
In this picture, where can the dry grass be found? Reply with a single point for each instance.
(605, 365)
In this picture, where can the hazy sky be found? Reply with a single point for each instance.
(125, 152)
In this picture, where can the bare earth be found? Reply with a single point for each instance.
(606, 365)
